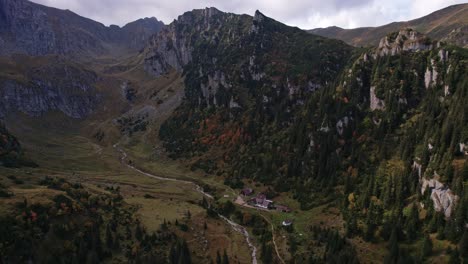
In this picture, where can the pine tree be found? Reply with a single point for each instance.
(412, 222)
(225, 258)
(218, 258)
(117, 244)
(138, 232)
(426, 247)
(463, 246)
(454, 257)
(393, 248)
(109, 239)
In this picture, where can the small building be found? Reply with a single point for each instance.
(266, 204)
(247, 191)
(287, 222)
(261, 201)
(282, 208)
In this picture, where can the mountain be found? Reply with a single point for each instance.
(136, 34)
(448, 24)
(228, 58)
(307, 116)
(358, 154)
(33, 29)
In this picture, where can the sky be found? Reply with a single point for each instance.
(306, 14)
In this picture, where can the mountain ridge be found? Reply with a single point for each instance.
(438, 25)
(35, 29)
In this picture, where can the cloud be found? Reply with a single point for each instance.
(302, 13)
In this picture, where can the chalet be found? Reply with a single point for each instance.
(261, 201)
(247, 191)
(282, 208)
(287, 222)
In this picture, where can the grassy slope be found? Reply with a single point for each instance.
(436, 25)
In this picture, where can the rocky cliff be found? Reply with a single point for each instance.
(34, 29)
(403, 40)
(225, 55)
(55, 84)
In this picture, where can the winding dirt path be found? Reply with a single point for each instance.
(236, 227)
(274, 240)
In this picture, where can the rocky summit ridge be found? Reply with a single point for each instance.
(34, 29)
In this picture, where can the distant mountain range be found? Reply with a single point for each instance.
(34, 29)
(449, 24)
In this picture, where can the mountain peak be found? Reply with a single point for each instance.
(259, 16)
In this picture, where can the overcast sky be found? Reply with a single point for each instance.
(306, 14)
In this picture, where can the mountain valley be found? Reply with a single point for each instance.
(231, 139)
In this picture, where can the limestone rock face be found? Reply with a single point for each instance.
(73, 93)
(209, 89)
(222, 54)
(430, 76)
(405, 40)
(172, 47)
(442, 197)
(375, 102)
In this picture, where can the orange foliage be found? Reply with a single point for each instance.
(212, 133)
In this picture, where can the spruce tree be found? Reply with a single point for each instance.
(109, 239)
(393, 248)
(218, 258)
(454, 257)
(463, 246)
(426, 247)
(225, 258)
(412, 222)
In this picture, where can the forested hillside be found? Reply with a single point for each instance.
(383, 129)
(73, 224)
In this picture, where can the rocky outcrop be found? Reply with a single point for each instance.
(375, 102)
(463, 148)
(430, 76)
(404, 40)
(442, 197)
(34, 29)
(342, 124)
(172, 48)
(210, 88)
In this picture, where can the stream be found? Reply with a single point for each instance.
(236, 227)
